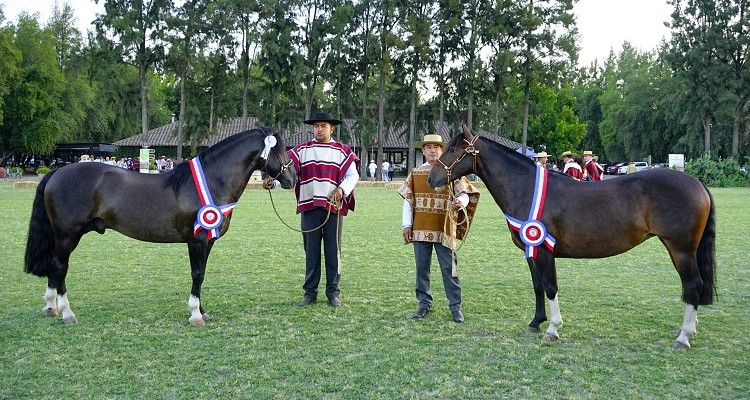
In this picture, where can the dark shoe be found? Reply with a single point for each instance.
(306, 301)
(421, 312)
(458, 316)
(334, 302)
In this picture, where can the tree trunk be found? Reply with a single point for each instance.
(526, 100)
(144, 104)
(412, 124)
(181, 122)
(381, 110)
(707, 135)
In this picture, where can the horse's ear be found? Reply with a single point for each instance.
(273, 131)
(467, 133)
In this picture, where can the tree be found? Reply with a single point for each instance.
(698, 56)
(137, 28)
(547, 44)
(31, 109)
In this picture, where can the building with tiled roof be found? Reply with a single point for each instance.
(395, 145)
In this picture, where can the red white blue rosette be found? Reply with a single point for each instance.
(210, 217)
(533, 232)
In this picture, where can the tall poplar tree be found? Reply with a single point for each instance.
(137, 28)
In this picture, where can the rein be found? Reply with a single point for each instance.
(469, 150)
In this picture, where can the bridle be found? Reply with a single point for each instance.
(469, 150)
(284, 167)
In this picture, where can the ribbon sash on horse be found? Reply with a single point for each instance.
(210, 217)
(532, 231)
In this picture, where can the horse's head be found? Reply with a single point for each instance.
(454, 162)
(278, 164)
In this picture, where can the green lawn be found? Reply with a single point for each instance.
(133, 339)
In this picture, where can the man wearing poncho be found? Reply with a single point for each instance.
(436, 219)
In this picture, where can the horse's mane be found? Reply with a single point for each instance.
(505, 150)
(181, 172)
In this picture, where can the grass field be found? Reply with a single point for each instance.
(133, 339)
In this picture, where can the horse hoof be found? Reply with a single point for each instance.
(197, 321)
(205, 317)
(550, 337)
(50, 312)
(680, 346)
(70, 320)
(532, 329)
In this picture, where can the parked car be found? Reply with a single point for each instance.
(639, 166)
(612, 168)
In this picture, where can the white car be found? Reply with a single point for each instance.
(639, 166)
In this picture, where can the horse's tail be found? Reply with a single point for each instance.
(706, 257)
(40, 244)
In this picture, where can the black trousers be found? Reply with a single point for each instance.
(330, 236)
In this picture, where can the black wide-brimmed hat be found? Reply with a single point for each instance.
(323, 117)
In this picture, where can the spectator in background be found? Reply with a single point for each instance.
(391, 170)
(570, 166)
(384, 170)
(373, 169)
(592, 169)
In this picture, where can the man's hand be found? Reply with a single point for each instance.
(456, 204)
(268, 184)
(407, 235)
(337, 195)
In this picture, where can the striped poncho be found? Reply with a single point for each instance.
(320, 169)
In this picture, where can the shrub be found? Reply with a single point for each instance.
(42, 170)
(721, 173)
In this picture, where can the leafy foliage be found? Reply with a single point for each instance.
(722, 173)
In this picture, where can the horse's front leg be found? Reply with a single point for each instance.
(539, 315)
(198, 251)
(548, 273)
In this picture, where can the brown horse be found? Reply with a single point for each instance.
(541, 207)
(190, 204)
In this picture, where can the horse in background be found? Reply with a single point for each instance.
(194, 206)
(542, 208)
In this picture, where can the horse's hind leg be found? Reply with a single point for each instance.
(692, 284)
(57, 279)
(50, 295)
(540, 314)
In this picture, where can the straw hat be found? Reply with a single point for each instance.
(588, 153)
(323, 117)
(85, 157)
(568, 154)
(541, 154)
(430, 139)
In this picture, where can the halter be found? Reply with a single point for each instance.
(470, 149)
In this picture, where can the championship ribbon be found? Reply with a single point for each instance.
(210, 217)
(532, 231)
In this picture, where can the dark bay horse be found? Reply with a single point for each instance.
(164, 208)
(554, 219)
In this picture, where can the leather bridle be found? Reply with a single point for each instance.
(469, 150)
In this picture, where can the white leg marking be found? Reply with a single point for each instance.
(67, 314)
(555, 320)
(194, 305)
(689, 322)
(50, 296)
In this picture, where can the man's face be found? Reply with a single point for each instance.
(322, 131)
(586, 158)
(432, 152)
(543, 160)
